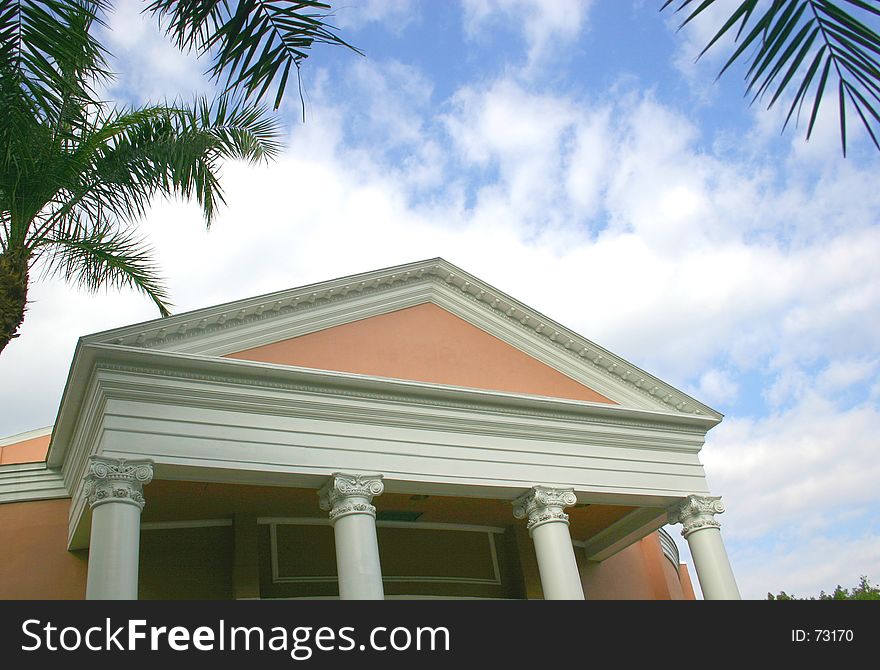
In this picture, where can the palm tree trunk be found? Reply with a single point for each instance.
(13, 293)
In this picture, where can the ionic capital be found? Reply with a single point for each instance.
(116, 480)
(347, 494)
(543, 504)
(695, 513)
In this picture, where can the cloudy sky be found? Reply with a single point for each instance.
(574, 155)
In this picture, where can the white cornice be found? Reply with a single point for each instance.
(269, 318)
(23, 482)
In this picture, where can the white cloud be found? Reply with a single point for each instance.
(34, 366)
(700, 71)
(545, 25)
(843, 373)
(796, 471)
(149, 66)
(392, 15)
(717, 387)
(803, 567)
(686, 240)
(585, 181)
(395, 102)
(812, 565)
(527, 138)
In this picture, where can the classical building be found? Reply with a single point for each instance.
(408, 432)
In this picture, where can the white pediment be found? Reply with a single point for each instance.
(267, 319)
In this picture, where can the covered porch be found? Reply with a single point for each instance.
(451, 492)
(211, 541)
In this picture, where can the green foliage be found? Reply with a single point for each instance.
(803, 47)
(76, 173)
(864, 591)
(252, 43)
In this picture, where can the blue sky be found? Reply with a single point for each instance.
(573, 155)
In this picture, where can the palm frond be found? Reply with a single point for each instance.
(125, 158)
(76, 173)
(186, 150)
(242, 131)
(48, 49)
(787, 43)
(104, 256)
(252, 43)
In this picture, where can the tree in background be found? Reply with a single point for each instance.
(801, 48)
(864, 591)
(76, 173)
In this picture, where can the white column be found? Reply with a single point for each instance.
(348, 499)
(696, 514)
(114, 488)
(548, 528)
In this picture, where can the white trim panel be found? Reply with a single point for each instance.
(22, 482)
(490, 532)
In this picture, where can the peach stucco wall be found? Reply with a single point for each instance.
(27, 451)
(423, 343)
(639, 572)
(35, 563)
(687, 588)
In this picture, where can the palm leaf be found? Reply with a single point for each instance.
(252, 43)
(47, 48)
(128, 157)
(790, 41)
(104, 256)
(76, 173)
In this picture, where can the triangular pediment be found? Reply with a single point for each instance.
(408, 322)
(423, 343)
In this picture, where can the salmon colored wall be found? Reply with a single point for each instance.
(639, 572)
(34, 561)
(686, 586)
(423, 343)
(621, 577)
(672, 580)
(27, 451)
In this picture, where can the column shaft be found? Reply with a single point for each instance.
(357, 558)
(713, 567)
(114, 551)
(548, 527)
(560, 578)
(696, 514)
(114, 489)
(348, 498)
